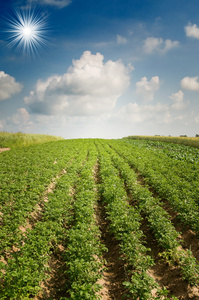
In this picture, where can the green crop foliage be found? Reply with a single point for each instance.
(50, 194)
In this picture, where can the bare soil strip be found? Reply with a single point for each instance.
(165, 274)
(114, 274)
(4, 149)
(55, 286)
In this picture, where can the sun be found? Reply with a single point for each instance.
(27, 31)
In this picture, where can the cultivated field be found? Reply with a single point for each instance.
(99, 219)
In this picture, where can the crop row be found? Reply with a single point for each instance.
(25, 267)
(84, 249)
(162, 176)
(125, 225)
(159, 221)
(25, 175)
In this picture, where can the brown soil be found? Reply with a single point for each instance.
(167, 275)
(4, 149)
(55, 286)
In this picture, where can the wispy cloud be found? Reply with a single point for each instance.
(22, 117)
(158, 45)
(55, 3)
(192, 31)
(121, 40)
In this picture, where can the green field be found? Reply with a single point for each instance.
(99, 219)
(187, 141)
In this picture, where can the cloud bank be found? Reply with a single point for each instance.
(90, 87)
(8, 86)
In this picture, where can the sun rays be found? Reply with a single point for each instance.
(27, 32)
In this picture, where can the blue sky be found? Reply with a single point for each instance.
(108, 69)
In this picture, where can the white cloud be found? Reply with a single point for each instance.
(190, 83)
(8, 86)
(157, 113)
(168, 45)
(89, 87)
(56, 3)
(19, 121)
(121, 40)
(178, 99)
(146, 89)
(136, 113)
(192, 31)
(152, 45)
(21, 117)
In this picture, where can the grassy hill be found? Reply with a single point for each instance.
(15, 140)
